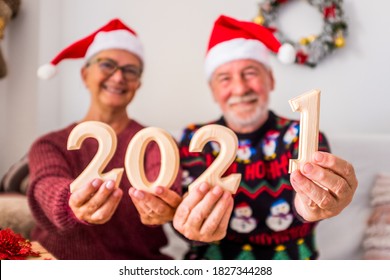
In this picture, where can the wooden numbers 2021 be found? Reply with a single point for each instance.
(308, 104)
(134, 158)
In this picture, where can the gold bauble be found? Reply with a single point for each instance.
(311, 38)
(259, 20)
(280, 248)
(303, 41)
(339, 42)
(247, 247)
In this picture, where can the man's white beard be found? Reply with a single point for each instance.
(258, 116)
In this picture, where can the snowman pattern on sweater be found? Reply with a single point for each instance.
(242, 220)
(280, 217)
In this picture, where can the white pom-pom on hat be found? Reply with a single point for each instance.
(286, 53)
(114, 35)
(46, 71)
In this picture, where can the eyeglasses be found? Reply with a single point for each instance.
(108, 67)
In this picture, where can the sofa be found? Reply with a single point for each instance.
(14, 210)
(344, 237)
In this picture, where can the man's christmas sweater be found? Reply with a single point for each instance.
(263, 224)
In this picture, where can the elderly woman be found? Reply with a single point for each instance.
(96, 221)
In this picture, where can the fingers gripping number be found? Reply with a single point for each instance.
(107, 140)
(134, 159)
(228, 150)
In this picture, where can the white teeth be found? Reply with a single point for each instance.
(115, 90)
(241, 99)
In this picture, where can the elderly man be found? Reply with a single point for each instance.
(273, 214)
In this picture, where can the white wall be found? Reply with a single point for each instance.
(353, 80)
(18, 91)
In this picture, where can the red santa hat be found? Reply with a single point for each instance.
(232, 39)
(114, 35)
(242, 205)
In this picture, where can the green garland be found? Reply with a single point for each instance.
(311, 49)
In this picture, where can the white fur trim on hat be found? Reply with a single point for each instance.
(118, 39)
(234, 49)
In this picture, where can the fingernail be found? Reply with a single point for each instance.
(109, 185)
(307, 168)
(117, 193)
(203, 187)
(226, 195)
(297, 177)
(139, 194)
(95, 183)
(159, 190)
(217, 190)
(318, 157)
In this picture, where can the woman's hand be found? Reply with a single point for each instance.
(96, 202)
(155, 208)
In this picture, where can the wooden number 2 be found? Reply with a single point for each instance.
(308, 104)
(228, 150)
(107, 141)
(134, 159)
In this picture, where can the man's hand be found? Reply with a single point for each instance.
(96, 202)
(204, 213)
(155, 208)
(324, 187)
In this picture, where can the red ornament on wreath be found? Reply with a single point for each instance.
(310, 49)
(301, 57)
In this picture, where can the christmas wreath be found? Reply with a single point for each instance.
(310, 49)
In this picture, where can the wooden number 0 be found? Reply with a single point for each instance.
(134, 158)
(107, 141)
(228, 150)
(309, 106)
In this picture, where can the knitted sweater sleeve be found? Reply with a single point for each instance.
(48, 194)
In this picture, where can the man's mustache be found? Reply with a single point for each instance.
(244, 98)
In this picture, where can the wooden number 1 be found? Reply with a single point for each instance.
(107, 141)
(308, 104)
(134, 159)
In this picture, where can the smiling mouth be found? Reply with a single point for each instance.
(246, 99)
(114, 90)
